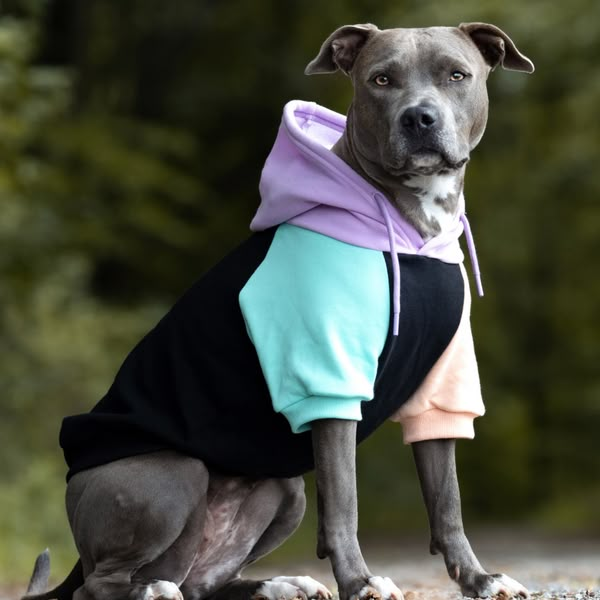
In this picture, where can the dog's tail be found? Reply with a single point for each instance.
(40, 576)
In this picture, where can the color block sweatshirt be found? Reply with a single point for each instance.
(333, 308)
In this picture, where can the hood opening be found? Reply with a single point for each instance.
(305, 184)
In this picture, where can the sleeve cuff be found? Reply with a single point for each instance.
(301, 414)
(438, 424)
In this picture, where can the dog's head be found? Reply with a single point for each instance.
(420, 99)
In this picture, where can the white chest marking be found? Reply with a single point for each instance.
(433, 191)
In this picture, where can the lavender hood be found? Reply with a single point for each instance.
(305, 184)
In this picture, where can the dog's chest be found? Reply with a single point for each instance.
(438, 196)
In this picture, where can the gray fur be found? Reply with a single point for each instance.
(385, 143)
(41, 574)
(419, 64)
(411, 139)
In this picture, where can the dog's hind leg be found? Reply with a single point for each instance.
(136, 524)
(111, 580)
(277, 588)
(263, 515)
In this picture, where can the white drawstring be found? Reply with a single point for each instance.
(382, 203)
(383, 208)
(472, 253)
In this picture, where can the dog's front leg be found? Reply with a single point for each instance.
(436, 466)
(334, 446)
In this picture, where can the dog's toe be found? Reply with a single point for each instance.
(498, 586)
(367, 593)
(162, 590)
(278, 590)
(379, 588)
(504, 586)
(313, 589)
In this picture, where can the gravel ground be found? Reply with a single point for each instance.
(552, 569)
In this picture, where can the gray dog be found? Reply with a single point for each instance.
(299, 344)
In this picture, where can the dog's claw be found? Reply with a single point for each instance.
(379, 588)
(162, 590)
(289, 593)
(292, 588)
(509, 588)
(501, 587)
(368, 593)
(313, 589)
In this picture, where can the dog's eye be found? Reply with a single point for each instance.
(457, 76)
(382, 80)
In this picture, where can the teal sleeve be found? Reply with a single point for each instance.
(318, 313)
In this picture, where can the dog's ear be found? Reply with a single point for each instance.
(340, 49)
(496, 47)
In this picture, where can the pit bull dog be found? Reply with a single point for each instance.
(346, 307)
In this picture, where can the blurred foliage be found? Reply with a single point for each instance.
(131, 141)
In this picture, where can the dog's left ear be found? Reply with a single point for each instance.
(496, 47)
(340, 49)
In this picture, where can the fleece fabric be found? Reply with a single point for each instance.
(333, 308)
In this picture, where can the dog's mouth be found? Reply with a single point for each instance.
(425, 162)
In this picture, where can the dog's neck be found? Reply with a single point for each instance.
(428, 202)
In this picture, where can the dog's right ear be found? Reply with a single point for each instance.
(340, 49)
(496, 47)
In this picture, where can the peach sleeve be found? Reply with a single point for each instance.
(449, 398)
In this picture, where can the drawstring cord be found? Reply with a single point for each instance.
(472, 253)
(382, 203)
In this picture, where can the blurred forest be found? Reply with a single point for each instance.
(132, 135)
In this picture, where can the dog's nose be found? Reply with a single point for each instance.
(419, 119)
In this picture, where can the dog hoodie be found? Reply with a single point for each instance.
(333, 308)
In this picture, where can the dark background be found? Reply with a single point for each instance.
(132, 135)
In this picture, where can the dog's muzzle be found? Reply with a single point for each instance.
(423, 144)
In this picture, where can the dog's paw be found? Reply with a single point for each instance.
(379, 588)
(496, 586)
(278, 590)
(162, 590)
(311, 587)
